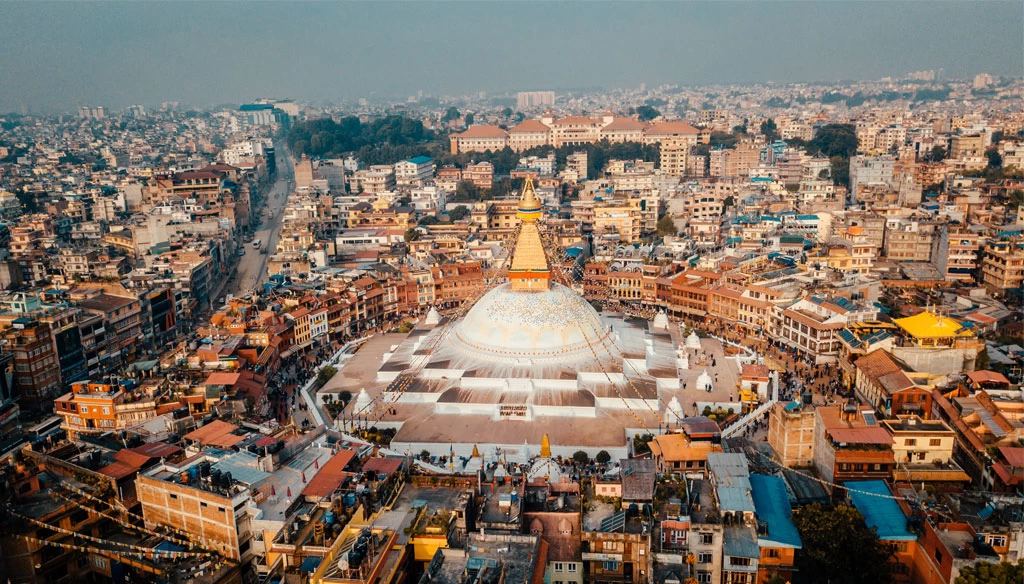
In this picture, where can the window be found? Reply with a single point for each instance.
(707, 538)
(611, 567)
(570, 566)
(704, 577)
(173, 496)
(935, 442)
(559, 567)
(734, 561)
(771, 553)
(997, 540)
(106, 410)
(938, 555)
(705, 558)
(910, 442)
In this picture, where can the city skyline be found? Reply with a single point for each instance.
(57, 57)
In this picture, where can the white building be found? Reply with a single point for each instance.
(869, 170)
(415, 171)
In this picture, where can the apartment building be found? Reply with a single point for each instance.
(956, 253)
(415, 171)
(850, 445)
(967, 146)
(99, 408)
(791, 434)
(870, 171)
(36, 365)
(909, 241)
(480, 174)
(197, 498)
(811, 325)
(891, 387)
(616, 558)
(1002, 265)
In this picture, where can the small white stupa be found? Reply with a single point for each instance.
(660, 321)
(693, 341)
(433, 317)
(363, 401)
(682, 359)
(674, 412)
(704, 381)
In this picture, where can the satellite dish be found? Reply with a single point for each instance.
(343, 562)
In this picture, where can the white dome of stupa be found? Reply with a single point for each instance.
(704, 381)
(512, 326)
(693, 341)
(660, 321)
(432, 317)
(674, 412)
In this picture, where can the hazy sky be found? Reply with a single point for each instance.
(66, 54)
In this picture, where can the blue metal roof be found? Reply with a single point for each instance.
(880, 512)
(310, 564)
(421, 160)
(771, 503)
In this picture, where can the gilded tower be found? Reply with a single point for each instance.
(529, 271)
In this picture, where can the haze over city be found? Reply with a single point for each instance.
(55, 56)
(512, 292)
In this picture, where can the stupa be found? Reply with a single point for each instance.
(530, 358)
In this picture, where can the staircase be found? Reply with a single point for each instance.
(746, 420)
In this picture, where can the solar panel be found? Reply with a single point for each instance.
(869, 419)
(613, 522)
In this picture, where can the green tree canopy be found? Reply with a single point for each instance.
(647, 113)
(580, 457)
(459, 212)
(666, 226)
(469, 118)
(938, 153)
(603, 457)
(988, 573)
(770, 130)
(452, 114)
(834, 140)
(838, 547)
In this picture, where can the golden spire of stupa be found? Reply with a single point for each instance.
(529, 270)
(476, 452)
(545, 447)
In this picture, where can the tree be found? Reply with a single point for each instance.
(507, 112)
(666, 226)
(989, 573)
(938, 153)
(345, 397)
(603, 457)
(467, 191)
(452, 114)
(412, 234)
(840, 170)
(580, 457)
(838, 547)
(769, 130)
(469, 118)
(325, 374)
(459, 212)
(994, 159)
(834, 140)
(647, 113)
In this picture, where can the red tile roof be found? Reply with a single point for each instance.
(331, 475)
(483, 131)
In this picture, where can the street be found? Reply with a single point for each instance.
(251, 270)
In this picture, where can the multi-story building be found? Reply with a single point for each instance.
(791, 434)
(622, 558)
(811, 325)
(850, 445)
(528, 99)
(891, 386)
(528, 134)
(415, 171)
(870, 171)
(967, 146)
(99, 408)
(909, 241)
(956, 252)
(480, 174)
(479, 138)
(1002, 265)
(36, 363)
(196, 498)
